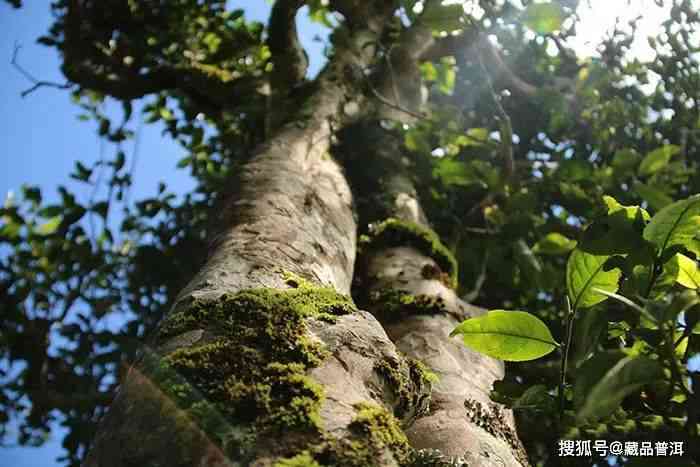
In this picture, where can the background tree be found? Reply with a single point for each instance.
(477, 148)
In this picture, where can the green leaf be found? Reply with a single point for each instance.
(657, 159)
(507, 335)
(656, 198)
(684, 271)
(625, 160)
(543, 18)
(585, 271)
(50, 226)
(676, 224)
(554, 243)
(455, 173)
(626, 377)
(619, 232)
(587, 332)
(591, 372)
(442, 17)
(82, 173)
(535, 398)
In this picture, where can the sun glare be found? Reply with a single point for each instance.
(599, 18)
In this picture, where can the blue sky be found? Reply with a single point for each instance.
(41, 138)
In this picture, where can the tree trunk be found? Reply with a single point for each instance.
(265, 360)
(408, 278)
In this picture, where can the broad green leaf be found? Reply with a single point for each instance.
(676, 224)
(442, 17)
(507, 335)
(554, 243)
(619, 232)
(584, 272)
(684, 271)
(632, 213)
(657, 159)
(49, 226)
(626, 377)
(656, 198)
(543, 18)
(591, 372)
(587, 331)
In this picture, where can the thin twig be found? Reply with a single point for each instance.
(570, 317)
(394, 106)
(506, 128)
(37, 83)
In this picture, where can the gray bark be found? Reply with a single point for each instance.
(292, 212)
(462, 423)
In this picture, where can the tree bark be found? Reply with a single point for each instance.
(404, 279)
(263, 359)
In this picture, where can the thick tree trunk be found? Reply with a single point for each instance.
(263, 359)
(407, 279)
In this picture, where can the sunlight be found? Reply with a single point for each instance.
(598, 19)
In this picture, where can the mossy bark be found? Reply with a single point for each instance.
(263, 359)
(407, 278)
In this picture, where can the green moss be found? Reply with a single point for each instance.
(253, 370)
(301, 460)
(394, 232)
(374, 434)
(391, 304)
(411, 383)
(382, 430)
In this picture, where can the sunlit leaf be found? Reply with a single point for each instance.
(50, 226)
(543, 18)
(507, 335)
(684, 271)
(554, 243)
(657, 159)
(676, 224)
(584, 272)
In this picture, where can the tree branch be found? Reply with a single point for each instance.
(37, 83)
(473, 42)
(288, 56)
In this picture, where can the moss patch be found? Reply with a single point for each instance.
(394, 232)
(411, 383)
(375, 434)
(252, 372)
(391, 304)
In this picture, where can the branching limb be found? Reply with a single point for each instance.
(471, 43)
(288, 55)
(37, 83)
